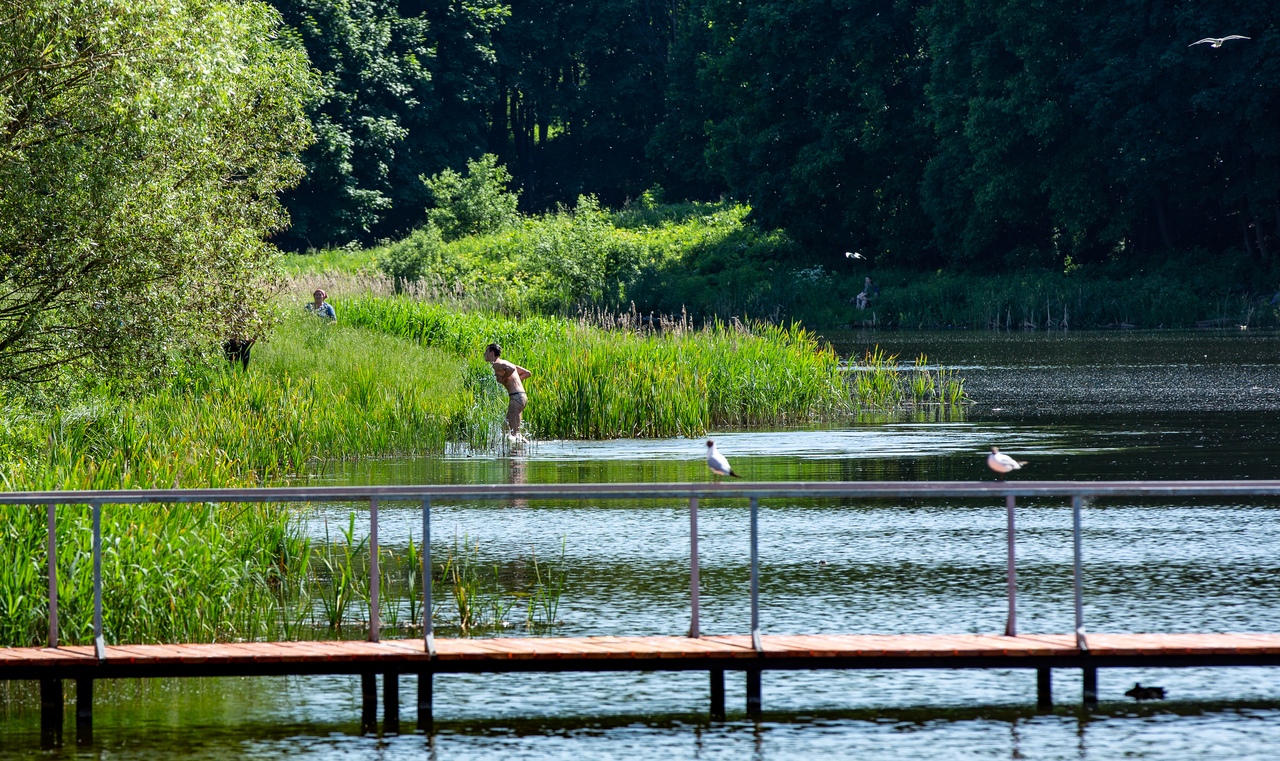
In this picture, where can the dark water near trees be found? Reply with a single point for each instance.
(1080, 406)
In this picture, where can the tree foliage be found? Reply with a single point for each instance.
(473, 204)
(973, 133)
(405, 88)
(142, 146)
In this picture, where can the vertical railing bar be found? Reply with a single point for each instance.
(53, 574)
(428, 634)
(695, 629)
(755, 575)
(1081, 642)
(99, 644)
(375, 624)
(1011, 624)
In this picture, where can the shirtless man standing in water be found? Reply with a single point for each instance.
(510, 376)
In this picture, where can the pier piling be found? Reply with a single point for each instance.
(51, 713)
(369, 704)
(754, 706)
(1090, 687)
(84, 711)
(391, 703)
(1044, 689)
(717, 695)
(426, 722)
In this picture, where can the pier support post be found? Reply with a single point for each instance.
(754, 706)
(84, 711)
(391, 703)
(1044, 689)
(426, 722)
(717, 695)
(1090, 687)
(50, 713)
(368, 704)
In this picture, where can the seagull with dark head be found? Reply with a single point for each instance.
(1002, 463)
(1216, 42)
(716, 461)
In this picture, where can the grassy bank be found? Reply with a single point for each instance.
(396, 376)
(710, 260)
(313, 392)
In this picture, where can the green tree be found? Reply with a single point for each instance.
(474, 204)
(406, 89)
(811, 112)
(142, 146)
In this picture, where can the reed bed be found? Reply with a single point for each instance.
(879, 383)
(216, 573)
(603, 376)
(314, 392)
(186, 573)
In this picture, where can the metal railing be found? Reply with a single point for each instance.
(1077, 491)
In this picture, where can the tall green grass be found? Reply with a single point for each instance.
(314, 392)
(593, 382)
(185, 573)
(879, 383)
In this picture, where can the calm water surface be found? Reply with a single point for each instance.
(1086, 406)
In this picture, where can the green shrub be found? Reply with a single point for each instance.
(408, 260)
(475, 204)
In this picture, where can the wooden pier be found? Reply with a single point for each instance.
(751, 653)
(713, 654)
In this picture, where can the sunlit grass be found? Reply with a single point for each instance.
(592, 382)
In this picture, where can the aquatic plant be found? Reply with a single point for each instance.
(877, 382)
(544, 598)
(476, 588)
(623, 378)
(179, 573)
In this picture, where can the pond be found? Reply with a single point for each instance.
(1076, 406)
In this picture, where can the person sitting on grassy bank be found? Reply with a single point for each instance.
(321, 308)
(511, 377)
(869, 290)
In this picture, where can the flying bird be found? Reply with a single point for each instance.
(716, 461)
(853, 255)
(1002, 463)
(1216, 42)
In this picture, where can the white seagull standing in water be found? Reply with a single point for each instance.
(1216, 42)
(716, 461)
(1002, 463)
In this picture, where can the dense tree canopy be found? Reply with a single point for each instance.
(142, 147)
(968, 132)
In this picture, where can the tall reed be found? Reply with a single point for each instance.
(879, 383)
(594, 382)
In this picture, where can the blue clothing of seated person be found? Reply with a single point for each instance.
(321, 308)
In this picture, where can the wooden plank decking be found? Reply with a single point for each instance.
(734, 652)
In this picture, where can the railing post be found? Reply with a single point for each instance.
(695, 629)
(755, 575)
(52, 554)
(375, 624)
(99, 644)
(1081, 642)
(1011, 624)
(428, 633)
